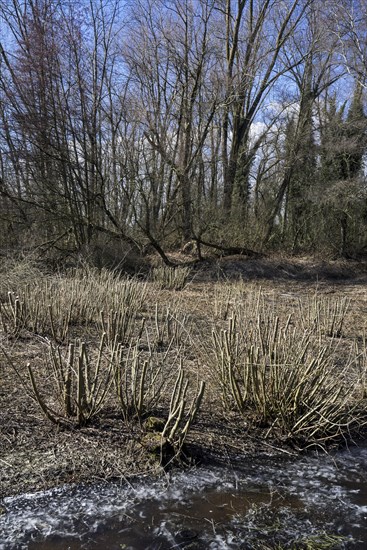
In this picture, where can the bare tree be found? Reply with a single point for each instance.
(251, 68)
(62, 118)
(170, 64)
(350, 28)
(160, 121)
(311, 78)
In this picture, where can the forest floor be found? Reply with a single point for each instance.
(37, 454)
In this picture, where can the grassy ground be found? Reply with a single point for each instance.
(206, 329)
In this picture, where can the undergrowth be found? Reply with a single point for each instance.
(109, 341)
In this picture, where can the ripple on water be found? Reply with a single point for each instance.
(221, 508)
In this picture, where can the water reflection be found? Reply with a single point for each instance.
(317, 498)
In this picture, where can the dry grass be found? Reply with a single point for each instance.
(52, 306)
(281, 362)
(171, 278)
(16, 274)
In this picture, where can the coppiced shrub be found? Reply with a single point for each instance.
(286, 380)
(140, 379)
(142, 383)
(52, 306)
(171, 278)
(181, 414)
(81, 380)
(18, 273)
(323, 315)
(169, 327)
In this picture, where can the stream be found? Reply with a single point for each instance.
(257, 504)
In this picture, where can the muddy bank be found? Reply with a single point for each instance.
(35, 455)
(307, 270)
(313, 502)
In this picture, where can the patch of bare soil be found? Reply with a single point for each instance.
(281, 269)
(35, 454)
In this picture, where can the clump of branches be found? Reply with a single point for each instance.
(286, 380)
(229, 296)
(324, 315)
(46, 308)
(141, 378)
(171, 278)
(85, 377)
(81, 382)
(74, 385)
(121, 325)
(18, 273)
(51, 306)
(142, 382)
(181, 414)
(169, 327)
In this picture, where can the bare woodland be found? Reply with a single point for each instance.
(148, 124)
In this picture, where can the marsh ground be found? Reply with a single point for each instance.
(37, 454)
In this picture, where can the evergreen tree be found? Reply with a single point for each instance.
(343, 140)
(355, 136)
(343, 145)
(300, 159)
(331, 151)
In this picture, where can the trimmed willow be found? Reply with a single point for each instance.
(359, 357)
(47, 308)
(81, 382)
(228, 297)
(181, 414)
(324, 315)
(171, 278)
(107, 289)
(78, 382)
(13, 315)
(137, 382)
(142, 381)
(141, 376)
(286, 380)
(53, 306)
(227, 358)
(169, 327)
(121, 326)
(18, 273)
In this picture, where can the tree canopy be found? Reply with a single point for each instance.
(238, 124)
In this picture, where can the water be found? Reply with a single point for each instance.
(320, 498)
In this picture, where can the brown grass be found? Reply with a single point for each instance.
(176, 329)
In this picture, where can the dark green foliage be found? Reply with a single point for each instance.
(343, 139)
(342, 148)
